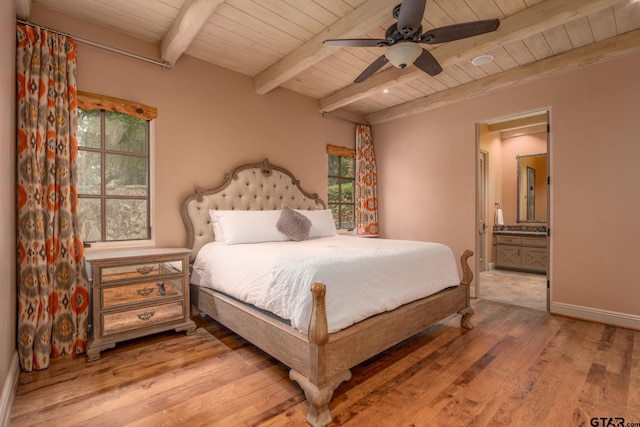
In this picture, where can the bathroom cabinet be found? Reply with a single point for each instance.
(522, 252)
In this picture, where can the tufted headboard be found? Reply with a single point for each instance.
(254, 186)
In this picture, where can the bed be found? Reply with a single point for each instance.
(318, 347)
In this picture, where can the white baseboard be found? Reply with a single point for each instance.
(9, 390)
(596, 315)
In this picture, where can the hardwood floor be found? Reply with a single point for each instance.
(518, 366)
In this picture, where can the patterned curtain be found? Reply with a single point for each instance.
(366, 183)
(53, 292)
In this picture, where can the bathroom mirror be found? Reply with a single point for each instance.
(532, 188)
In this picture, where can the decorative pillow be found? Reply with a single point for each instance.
(322, 224)
(293, 224)
(234, 226)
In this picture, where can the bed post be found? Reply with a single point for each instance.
(467, 277)
(318, 387)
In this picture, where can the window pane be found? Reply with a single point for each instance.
(89, 128)
(88, 172)
(340, 190)
(125, 175)
(346, 191)
(334, 211)
(126, 219)
(333, 189)
(334, 165)
(348, 167)
(114, 168)
(91, 218)
(125, 133)
(347, 217)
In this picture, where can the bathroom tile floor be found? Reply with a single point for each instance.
(512, 287)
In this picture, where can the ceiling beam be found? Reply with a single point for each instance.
(531, 21)
(192, 17)
(611, 48)
(361, 20)
(23, 9)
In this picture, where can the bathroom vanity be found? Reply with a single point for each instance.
(521, 248)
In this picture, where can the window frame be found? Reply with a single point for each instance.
(89, 101)
(334, 150)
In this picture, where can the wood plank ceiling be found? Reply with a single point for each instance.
(279, 43)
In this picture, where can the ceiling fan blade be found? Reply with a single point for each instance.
(410, 17)
(375, 66)
(459, 31)
(427, 63)
(356, 42)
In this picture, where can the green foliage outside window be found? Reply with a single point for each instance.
(340, 189)
(113, 176)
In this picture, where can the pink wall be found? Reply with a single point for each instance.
(491, 142)
(8, 296)
(209, 119)
(512, 147)
(502, 175)
(427, 176)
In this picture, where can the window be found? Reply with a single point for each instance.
(113, 173)
(341, 183)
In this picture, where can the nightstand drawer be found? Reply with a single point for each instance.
(141, 317)
(160, 289)
(151, 269)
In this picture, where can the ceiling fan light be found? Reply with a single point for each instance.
(482, 60)
(402, 54)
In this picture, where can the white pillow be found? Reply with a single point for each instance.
(217, 231)
(322, 224)
(234, 227)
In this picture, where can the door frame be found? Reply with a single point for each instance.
(475, 291)
(482, 245)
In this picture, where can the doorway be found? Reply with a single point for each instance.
(513, 205)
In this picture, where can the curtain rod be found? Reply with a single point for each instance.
(333, 116)
(163, 64)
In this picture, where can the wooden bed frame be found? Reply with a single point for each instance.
(319, 361)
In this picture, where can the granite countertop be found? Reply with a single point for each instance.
(521, 230)
(520, 233)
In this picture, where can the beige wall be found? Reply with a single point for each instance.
(427, 176)
(209, 119)
(8, 295)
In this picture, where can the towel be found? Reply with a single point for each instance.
(499, 220)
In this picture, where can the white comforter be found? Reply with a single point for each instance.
(363, 276)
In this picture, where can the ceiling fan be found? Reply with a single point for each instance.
(403, 39)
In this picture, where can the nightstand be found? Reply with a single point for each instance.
(137, 293)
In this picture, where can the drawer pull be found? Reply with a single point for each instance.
(144, 292)
(146, 315)
(161, 289)
(144, 270)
